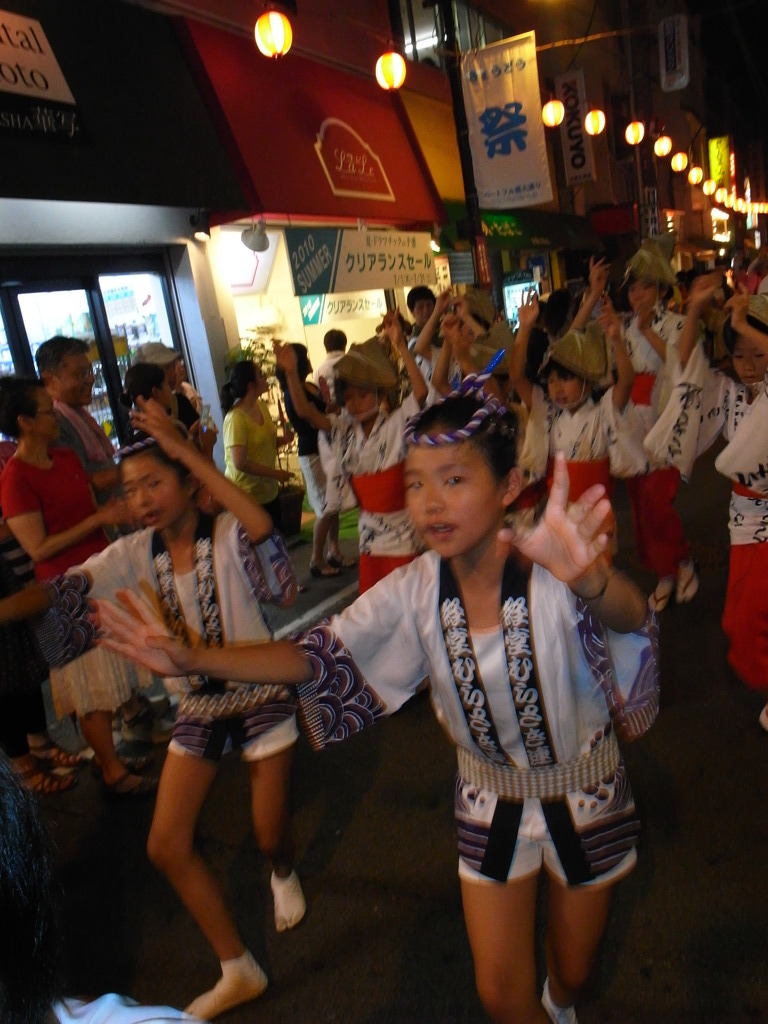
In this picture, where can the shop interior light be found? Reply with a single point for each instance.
(201, 225)
(709, 187)
(679, 161)
(594, 122)
(552, 113)
(390, 70)
(434, 242)
(695, 175)
(634, 133)
(255, 237)
(662, 146)
(273, 34)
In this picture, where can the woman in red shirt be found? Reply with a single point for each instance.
(48, 505)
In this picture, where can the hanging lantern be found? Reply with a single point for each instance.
(594, 122)
(273, 34)
(695, 175)
(552, 113)
(741, 205)
(729, 200)
(634, 133)
(662, 146)
(679, 161)
(709, 186)
(390, 70)
(720, 195)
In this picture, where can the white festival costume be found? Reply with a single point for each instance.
(371, 658)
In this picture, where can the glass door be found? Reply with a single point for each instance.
(113, 303)
(67, 312)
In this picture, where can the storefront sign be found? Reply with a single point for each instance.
(673, 53)
(577, 145)
(36, 99)
(325, 261)
(720, 161)
(351, 166)
(326, 309)
(503, 105)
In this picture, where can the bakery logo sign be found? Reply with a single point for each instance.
(350, 165)
(34, 96)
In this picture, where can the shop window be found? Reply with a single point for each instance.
(422, 30)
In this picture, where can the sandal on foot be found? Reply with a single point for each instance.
(662, 595)
(687, 581)
(51, 754)
(133, 764)
(38, 780)
(129, 785)
(340, 562)
(326, 572)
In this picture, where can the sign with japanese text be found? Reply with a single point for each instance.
(720, 160)
(506, 136)
(327, 309)
(577, 145)
(325, 261)
(674, 68)
(36, 99)
(351, 166)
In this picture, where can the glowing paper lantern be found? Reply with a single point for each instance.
(552, 113)
(594, 122)
(721, 195)
(273, 34)
(634, 133)
(390, 70)
(695, 175)
(662, 146)
(679, 161)
(709, 186)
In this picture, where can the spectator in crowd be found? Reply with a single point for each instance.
(335, 343)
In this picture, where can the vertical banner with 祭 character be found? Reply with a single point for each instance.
(506, 134)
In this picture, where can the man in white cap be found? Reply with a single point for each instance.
(157, 354)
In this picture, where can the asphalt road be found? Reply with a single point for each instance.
(383, 942)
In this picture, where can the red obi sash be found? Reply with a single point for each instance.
(583, 475)
(745, 492)
(381, 492)
(642, 386)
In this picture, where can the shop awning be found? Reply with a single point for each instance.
(528, 229)
(312, 141)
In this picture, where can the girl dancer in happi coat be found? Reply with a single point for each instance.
(598, 436)
(366, 443)
(705, 405)
(651, 335)
(207, 576)
(534, 671)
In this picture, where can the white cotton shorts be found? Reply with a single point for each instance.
(534, 849)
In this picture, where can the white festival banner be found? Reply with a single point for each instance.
(506, 134)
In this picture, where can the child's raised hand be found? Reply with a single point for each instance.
(528, 313)
(738, 305)
(285, 356)
(138, 633)
(566, 540)
(702, 289)
(392, 328)
(598, 275)
(443, 301)
(152, 419)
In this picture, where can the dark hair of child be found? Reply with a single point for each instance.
(17, 398)
(495, 439)
(140, 381)
(335, 340)
(29, 939)
(143, 444)
(730, 336)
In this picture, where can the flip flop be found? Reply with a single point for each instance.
(662, 595)
(145, 785)
(325, 573)
(687, 581)
(340, 562)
